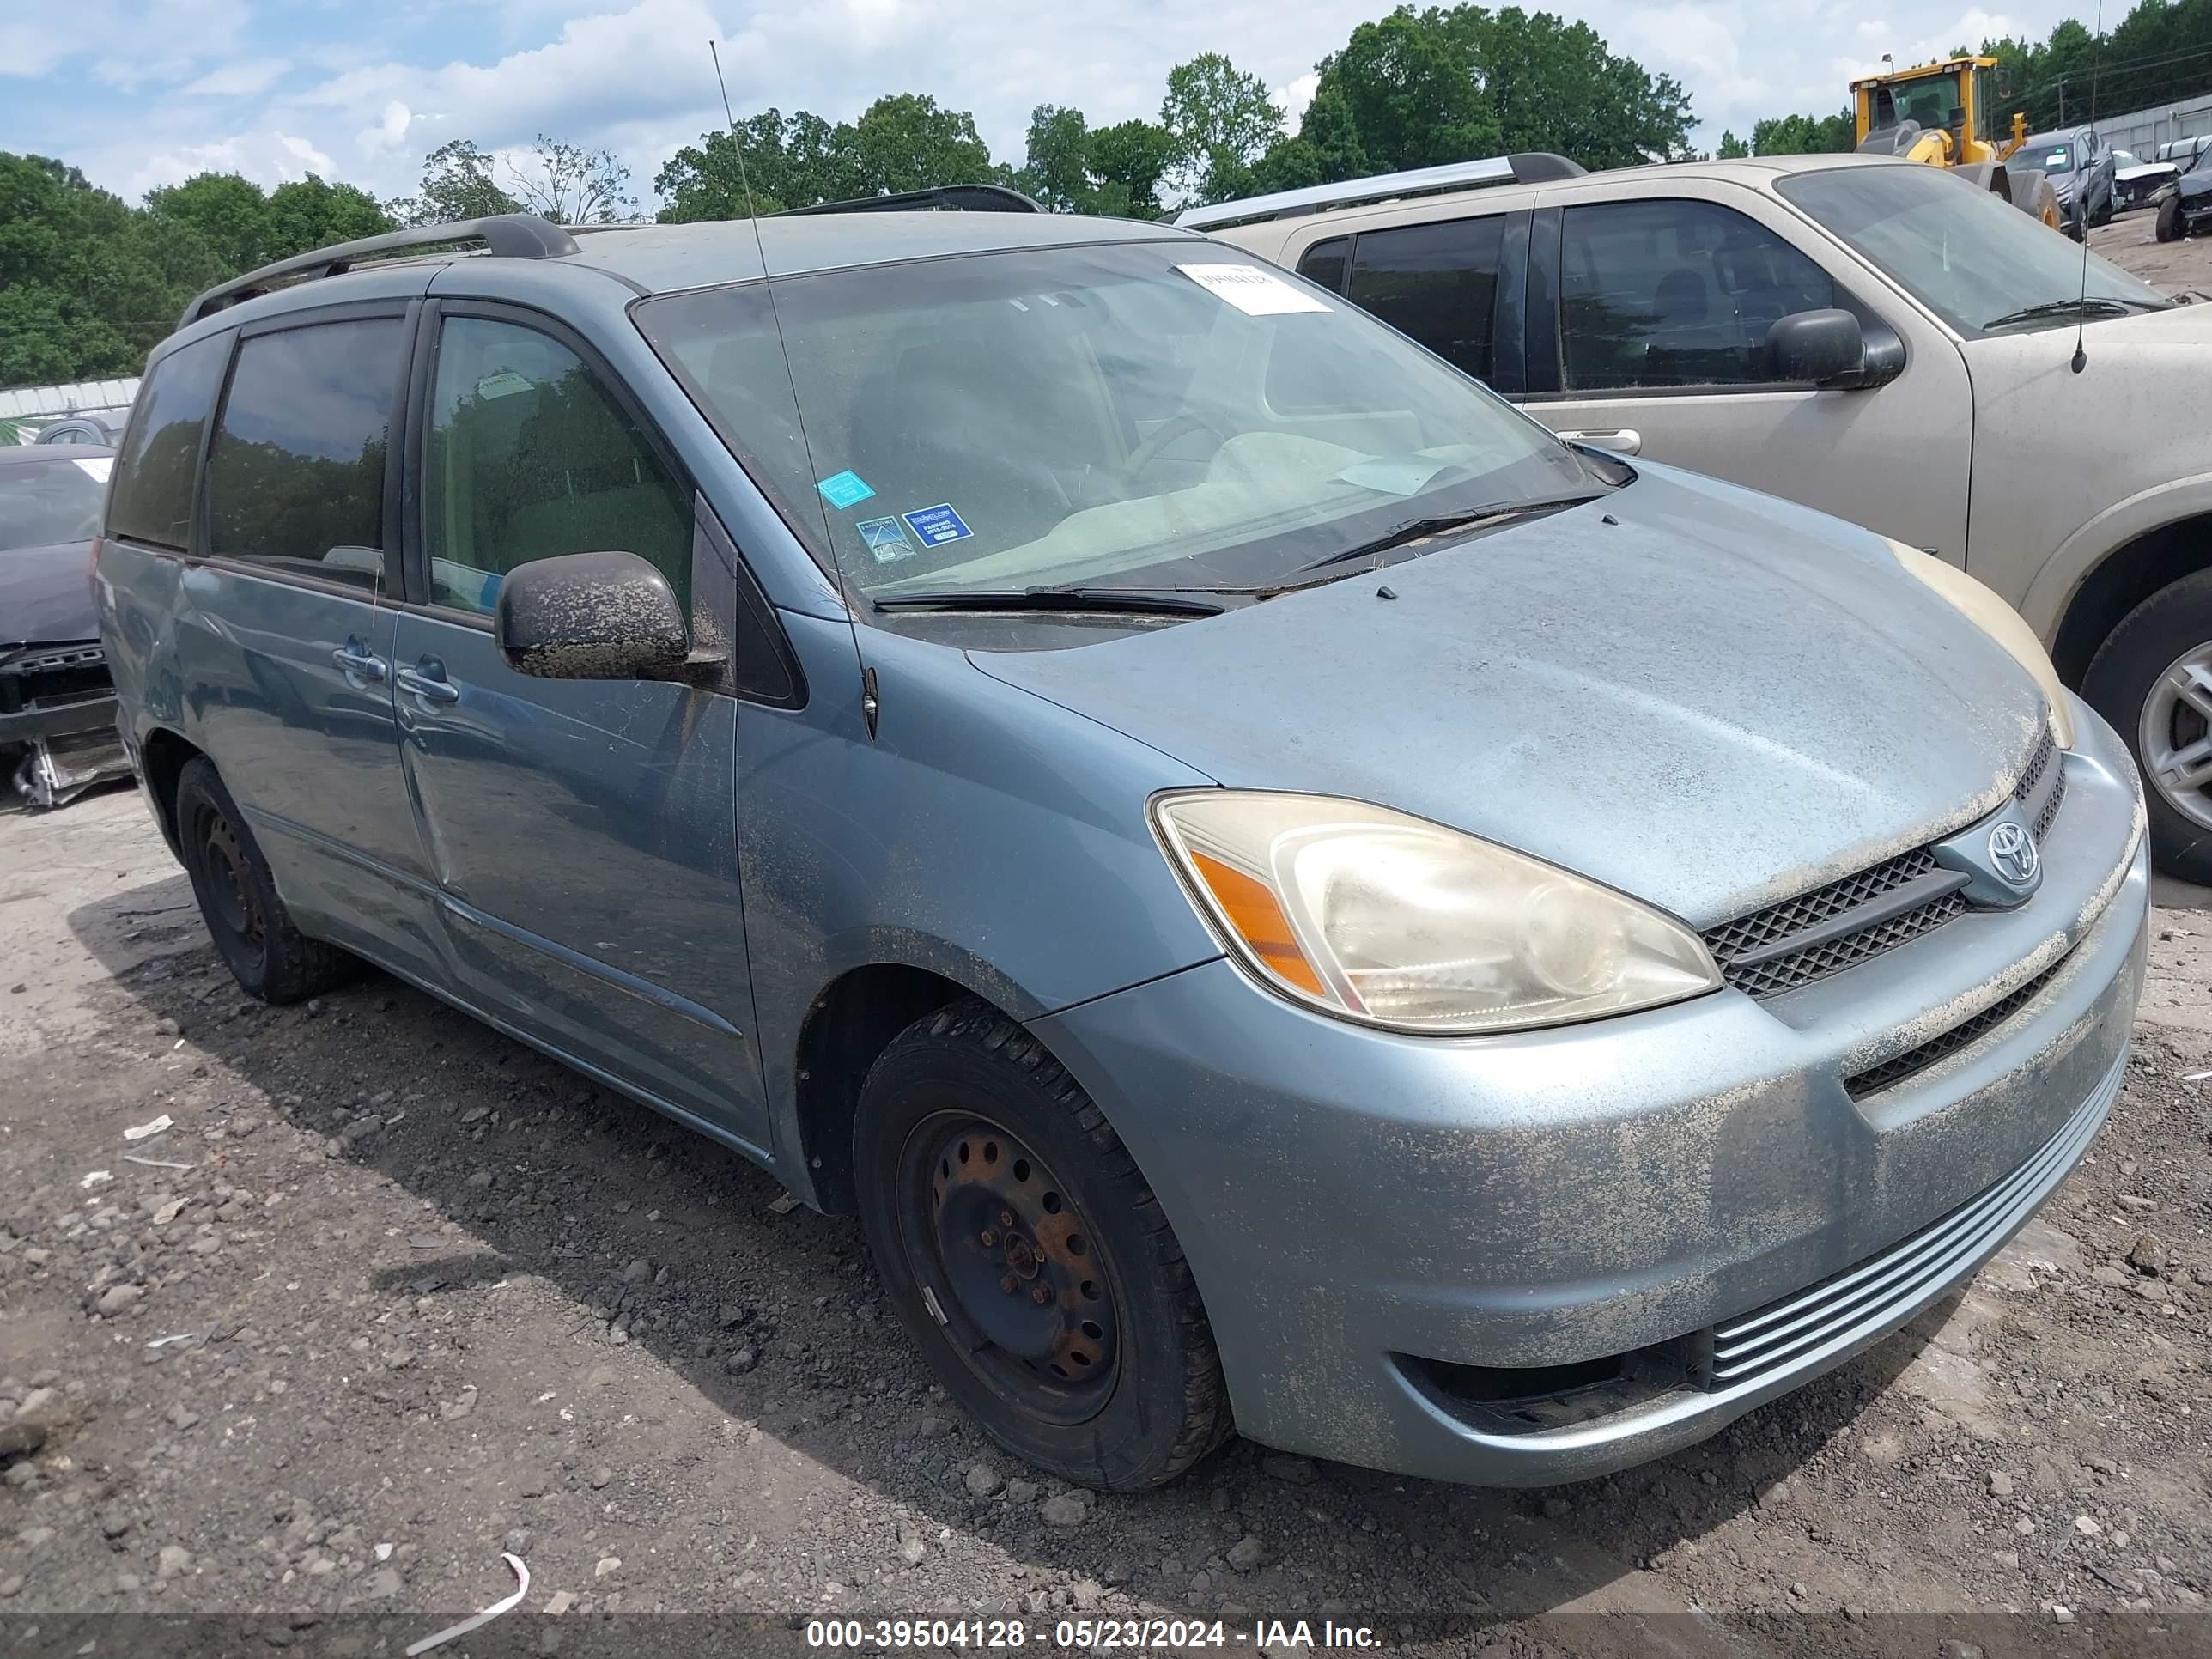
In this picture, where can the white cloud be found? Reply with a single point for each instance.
(1292, 98)
(241, 78)
(634, 76)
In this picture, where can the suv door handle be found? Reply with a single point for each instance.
(1620, 440)
(427, 681)
(357, 662)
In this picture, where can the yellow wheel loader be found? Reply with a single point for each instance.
(1935, 113)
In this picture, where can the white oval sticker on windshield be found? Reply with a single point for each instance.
(1253, 291)
(98, 466)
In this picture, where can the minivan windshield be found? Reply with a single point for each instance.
(44, 503)
(1137, 415)
(1976, 261)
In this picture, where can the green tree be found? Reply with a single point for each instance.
(228, 210)
(1220, 121)
(1556, 86)
(306, 213)
(1803, 135)
(571, 185)
(1406, 86)
(1128, 160)
(1732, 149)
(907, 142)
(769, 163)
(457, 183)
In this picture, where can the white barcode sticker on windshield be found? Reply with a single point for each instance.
(98, 466)
(1254, 292)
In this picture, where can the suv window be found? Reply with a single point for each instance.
(1675, 292)
(1323, 263)
(1437, 283)
(295, 479)
(529, 457)
(152, 500)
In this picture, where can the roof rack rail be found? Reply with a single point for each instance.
(510, 235)
(974, 198)
(1526, 167)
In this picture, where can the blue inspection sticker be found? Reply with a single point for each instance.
(846, 488)
(936, 525)
(886, 540)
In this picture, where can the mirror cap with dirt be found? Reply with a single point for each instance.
(589, 617)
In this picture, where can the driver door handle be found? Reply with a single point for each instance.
(1620, 440)
(355, 661)
(427, 681)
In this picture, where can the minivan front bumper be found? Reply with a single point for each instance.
(1522, 1259)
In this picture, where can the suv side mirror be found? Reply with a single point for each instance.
(589, 617)
(1815, 346)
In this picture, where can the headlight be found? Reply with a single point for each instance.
(1392, 920)
(1983, 608)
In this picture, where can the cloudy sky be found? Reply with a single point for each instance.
(142, 94)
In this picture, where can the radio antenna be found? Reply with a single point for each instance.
(768, 283)
(2080, 359)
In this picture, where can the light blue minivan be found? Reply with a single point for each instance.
(1285, 895)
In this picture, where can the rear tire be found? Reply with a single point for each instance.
(2152, 679)
(269, 956)
(1029, 1259)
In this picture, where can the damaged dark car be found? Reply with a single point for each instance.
(58, 734)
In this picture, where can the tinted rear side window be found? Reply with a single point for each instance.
(152, 500)
(1324, 263)
(296, 478)
(1436, 283)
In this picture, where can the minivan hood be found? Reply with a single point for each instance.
(46, 595)
(1706, 698)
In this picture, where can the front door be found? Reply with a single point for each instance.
(289, 668)
(583, 832)
(1651, 339)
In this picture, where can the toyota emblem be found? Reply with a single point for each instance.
(2013, 855)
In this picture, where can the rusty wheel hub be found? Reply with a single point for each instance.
(1029, 1302)
(232, 894)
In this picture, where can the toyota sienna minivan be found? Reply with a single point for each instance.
(1285, 895)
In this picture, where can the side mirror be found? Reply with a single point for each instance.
(1813, 346)
(589, 617)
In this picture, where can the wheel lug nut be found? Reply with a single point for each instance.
(1005, 1218)
(1040, 1296)
(1008, 1284)
(990, 1236)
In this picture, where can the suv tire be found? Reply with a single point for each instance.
(266, 953)
(1029, 1259)
(2169, 220)
(2130, 684)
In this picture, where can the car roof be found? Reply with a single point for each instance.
(661, 259)
(24, 454)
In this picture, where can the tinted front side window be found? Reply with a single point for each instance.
(1437, 282)
(296, 478)
(529, 457)
(153, 498)
(1675, 292)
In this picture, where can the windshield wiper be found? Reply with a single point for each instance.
(1133, 601)
(1414, 530)
(2093, 305)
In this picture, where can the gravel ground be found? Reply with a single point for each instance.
(2131, 242)
(393, 1294)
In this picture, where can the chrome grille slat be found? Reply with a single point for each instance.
(1769, 1338)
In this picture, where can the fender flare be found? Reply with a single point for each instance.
(2051, 593)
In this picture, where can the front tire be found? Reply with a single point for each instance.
(2152, 678)
(2169, 220)
(1027, 1258)
(266, 953)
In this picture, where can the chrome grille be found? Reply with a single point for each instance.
(1885, 1289)
(1894, 1070)
(1779, 921)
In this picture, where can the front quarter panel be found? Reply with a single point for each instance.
(984, 834)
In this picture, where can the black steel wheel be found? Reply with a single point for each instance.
(1028, 1306)
(253, 932)
(1027, 1258)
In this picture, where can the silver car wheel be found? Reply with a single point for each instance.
(2176, 737)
